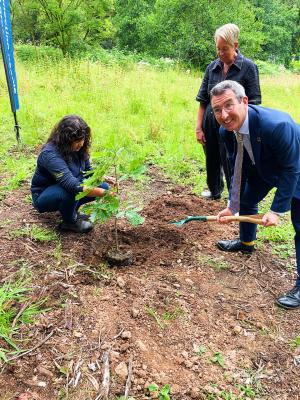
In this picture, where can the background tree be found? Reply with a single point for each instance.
(63, 23)
(184, 29)
(128, 20)
(25, 15)
(280, 26)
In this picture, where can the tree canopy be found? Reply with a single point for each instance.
(179, 29)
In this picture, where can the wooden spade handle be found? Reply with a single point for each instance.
(253, 219)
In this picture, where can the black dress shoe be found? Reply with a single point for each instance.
(79, 226)
(291, 299)
(234, 245)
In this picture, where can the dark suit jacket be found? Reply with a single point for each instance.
(275, 140)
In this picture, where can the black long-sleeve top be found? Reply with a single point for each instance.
(243, 71)
(52, 169)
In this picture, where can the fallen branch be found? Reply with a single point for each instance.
(24, 353)
(22, 309)
(128, 381)
(106, 378)
(68, 315)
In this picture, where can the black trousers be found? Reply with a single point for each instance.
(217, 164)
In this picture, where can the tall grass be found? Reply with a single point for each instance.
(148, 110)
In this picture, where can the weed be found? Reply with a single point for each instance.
(218, 359)
(201, 350)
(168, 315)
(57, 252)
(247, 391)
(5, 222)
(218, 264)
(35, 232)
(97, 291)
(295, 342)
(227, 395)
(210, 396)
(15, 310)
(253, 380)
(171, 315)
(153, 313)
(163, 393)
(28, 199)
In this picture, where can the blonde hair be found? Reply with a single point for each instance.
(229, 32)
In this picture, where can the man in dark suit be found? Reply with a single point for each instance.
(270, 158)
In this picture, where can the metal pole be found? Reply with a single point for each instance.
(17, 128)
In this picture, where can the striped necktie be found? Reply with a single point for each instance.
(237, 176)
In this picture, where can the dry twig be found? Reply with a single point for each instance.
(24, 353)
(129, 376)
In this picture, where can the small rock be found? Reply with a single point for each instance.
(92, 367)
(77, 334)
(185, 354)
(121, 370)
(195, 359)
(189, 281)
(126, 335)
(175, 389)
(135, 313)
(124, 347)
(141, 345)
(44, 371)
(188, 364)
(194, 393)
(237, 329)
(114, 355)
(120, 282)
(176, 285)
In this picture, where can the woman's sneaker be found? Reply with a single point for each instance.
(79, 226)
(206, 194)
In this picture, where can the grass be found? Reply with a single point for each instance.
(217, 263)
(164, 317)
(16, 309)
(35, 232)
(150, 111)
(295, 342)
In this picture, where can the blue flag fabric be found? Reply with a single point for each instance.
(8, 54)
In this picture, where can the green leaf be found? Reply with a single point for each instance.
(134, 218)
(218, 359)
(153, 387)
(164, 392)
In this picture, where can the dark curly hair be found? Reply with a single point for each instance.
(70, 129)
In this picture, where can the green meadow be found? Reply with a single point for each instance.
(149, 110)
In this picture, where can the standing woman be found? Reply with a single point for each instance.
(230, 64)
(60, 172)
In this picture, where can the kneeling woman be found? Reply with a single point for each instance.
(60, 172)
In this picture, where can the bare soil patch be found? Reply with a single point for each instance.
(178, 305)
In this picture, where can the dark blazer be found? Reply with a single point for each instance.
(275, 140)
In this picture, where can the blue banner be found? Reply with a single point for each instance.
(8, 54)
